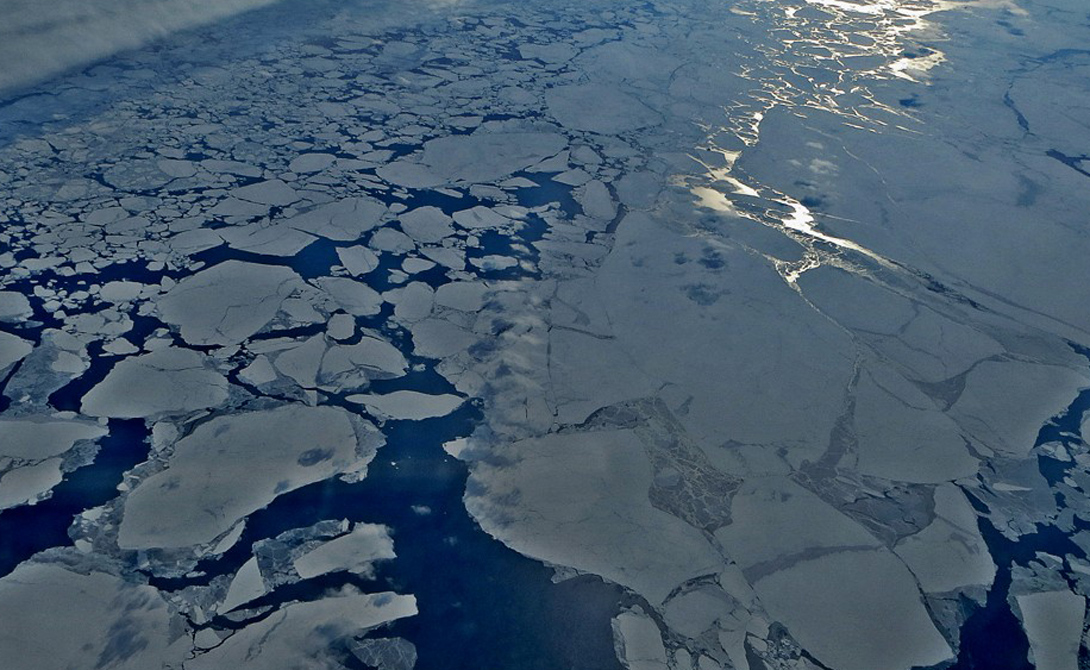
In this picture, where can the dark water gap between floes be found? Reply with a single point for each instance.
(482, 605)
(992, 638)
(26, 530)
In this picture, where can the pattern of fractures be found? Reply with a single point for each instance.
(774, 311)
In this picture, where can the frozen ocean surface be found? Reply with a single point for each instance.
(670, 335)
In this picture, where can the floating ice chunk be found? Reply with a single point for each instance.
(231, 167)
(234, 465)
(446, 257)
(120, 292)
(30, 484)
(341, 327)
(69, 619)
(903, 437)
(344, 220)
(426, 224)
(177, 168)
(412, 302)
(271, 192)
(12, 350)
(259, 372)
(599, 108)
(480, 217)
(389, 239)
(597, 201)
(776, 522)
(245, 587)
(494, 262)
(576, 177)
(166, 381)
(385, 653)
(352, 296)
(314, 162)
(580, 499)
(357, 260)
(277, 239)
(1005, 403)
(414, 265)
(14, 306)
(355, 552)
(34, 438)
(554, 52)
(229, 302)
(436, 338)
(486, 157)
(855, 610)
(408, 405)
(638, 641)
(303, 361)
(301, 634)
(480, 157)
(348, 366)
(1053, 623)
(462, 295)
(950, 553)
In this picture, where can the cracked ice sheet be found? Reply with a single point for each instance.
(234, 465)
(581, 500)
(705, 299)
(302, 636)
(166, 381)
(107, 621)
(229, 302)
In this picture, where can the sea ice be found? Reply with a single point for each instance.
(234, 465)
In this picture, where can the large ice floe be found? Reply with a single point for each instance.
(660, 336)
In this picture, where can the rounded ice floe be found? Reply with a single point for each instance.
(229, 302)
(461, 295)
(426, 224)
(408, 405)
(599, 108)
(412, 302)
(312, 162)
(166, 381)
(234, 465)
